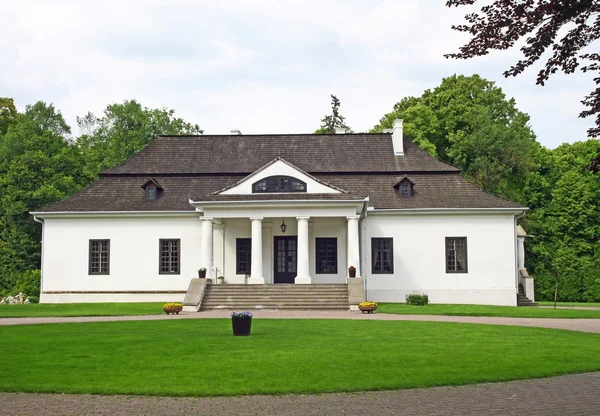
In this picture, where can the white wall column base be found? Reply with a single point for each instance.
(302, 280)
(256, 280)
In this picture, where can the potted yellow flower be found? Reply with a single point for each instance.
(368, 307)
(172, 307)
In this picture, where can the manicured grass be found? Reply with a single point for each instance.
(484, 310)
(202, 358)
(578, 304)
(80, 309)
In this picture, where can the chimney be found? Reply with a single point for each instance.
(236, 131)
(397, 138)
(340, 130)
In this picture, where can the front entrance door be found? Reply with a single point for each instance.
(286, 259)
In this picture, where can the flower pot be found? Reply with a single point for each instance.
(174, 310)
(351, 273)
(241, 326)
(367, 309)
(220, 280)
(201, 274)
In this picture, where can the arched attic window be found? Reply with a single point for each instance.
(279, 184)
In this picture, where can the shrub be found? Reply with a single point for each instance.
(27, 282)
(33, 299)
(417, 299)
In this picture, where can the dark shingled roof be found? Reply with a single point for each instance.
(196, 167)
(309, 152)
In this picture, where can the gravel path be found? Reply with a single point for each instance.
(584, 325)
(575, 394)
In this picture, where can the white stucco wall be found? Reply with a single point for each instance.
(280, 168)
(134, 258)
(419, 258)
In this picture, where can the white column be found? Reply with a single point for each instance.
(303, 276)
(256, 268)
(218, 249)
(353, 254)
(521, 252)
(206, 248)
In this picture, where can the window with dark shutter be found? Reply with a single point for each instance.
(243, 255)
(326, 256)
(99, 258)
(170, 256)
(382, 255)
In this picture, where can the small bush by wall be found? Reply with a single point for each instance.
(417, 299)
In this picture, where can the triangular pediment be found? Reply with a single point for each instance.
(281, 172)
(151, 181)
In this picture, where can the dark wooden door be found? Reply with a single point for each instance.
(286, 259)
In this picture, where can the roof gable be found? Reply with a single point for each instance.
(280, 167)
(405, 179)
(151, 181)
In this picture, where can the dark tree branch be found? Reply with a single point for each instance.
(500, 25)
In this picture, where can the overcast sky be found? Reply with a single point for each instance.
(261, 66)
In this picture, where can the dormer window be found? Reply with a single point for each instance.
(152, 189)
(404, 187)
(405, 190)
(150, 193)
(279, 184)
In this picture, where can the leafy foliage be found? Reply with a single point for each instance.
(330, 122)
(124, 130)
(469, 122)
(565, 220)
(541, 22)
(40, 163)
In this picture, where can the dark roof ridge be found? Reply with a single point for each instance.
(341, 173)
(272, 135)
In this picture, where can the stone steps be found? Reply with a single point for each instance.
(523, 300)
(279, 296)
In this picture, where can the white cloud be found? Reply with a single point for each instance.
(261, 66)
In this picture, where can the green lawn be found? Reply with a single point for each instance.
(121, 309)
(485, 310)
(579, 304)
(202, 358)
(80, 309)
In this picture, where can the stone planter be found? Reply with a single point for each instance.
(174, 310)
(241, 326)
(367, 309)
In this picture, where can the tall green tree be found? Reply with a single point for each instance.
(565, 220)
(567, 29)
(330, 121)
(123, 130)
(38, 165)
(8, 113)
(469, 122)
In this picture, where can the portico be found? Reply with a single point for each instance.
(318, 243)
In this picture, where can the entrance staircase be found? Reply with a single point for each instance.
(277, 296)
(523, 300)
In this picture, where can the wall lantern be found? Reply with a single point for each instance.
(283, 226)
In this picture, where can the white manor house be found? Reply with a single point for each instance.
(283, 209)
